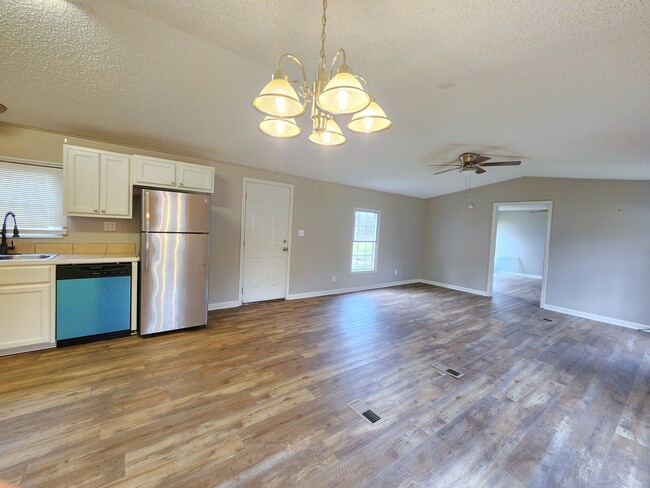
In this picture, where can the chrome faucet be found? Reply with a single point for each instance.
(4, 248)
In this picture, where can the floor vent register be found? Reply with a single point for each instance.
(448, 370)
(364, 411)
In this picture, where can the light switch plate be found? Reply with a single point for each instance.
(109, 226)
(301, 233)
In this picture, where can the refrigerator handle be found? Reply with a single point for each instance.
(146, 211)
(146, 251)
(146, 229)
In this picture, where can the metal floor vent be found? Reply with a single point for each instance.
(448, 370)
(363, 411)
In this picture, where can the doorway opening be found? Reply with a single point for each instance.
(519, 250)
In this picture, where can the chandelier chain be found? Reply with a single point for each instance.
(322, 36)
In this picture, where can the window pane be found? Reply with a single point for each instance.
(364, 240)
(35, 195)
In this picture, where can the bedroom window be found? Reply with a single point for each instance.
(34, 192)
(364, 241)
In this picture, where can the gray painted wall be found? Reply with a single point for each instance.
(323, 210)
(521, 234)
(599, 256)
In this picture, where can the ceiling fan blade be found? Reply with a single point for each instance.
(480, 171)
(458, 165)
(503, 163)
(481, 159)
(445, 171)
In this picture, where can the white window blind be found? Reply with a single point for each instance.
(35, 194)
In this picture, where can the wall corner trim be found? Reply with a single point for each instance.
(222, 305)
(598, 318)
(338, 291)
(482, 293)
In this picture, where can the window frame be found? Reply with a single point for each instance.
(30, 233)
(376, 241)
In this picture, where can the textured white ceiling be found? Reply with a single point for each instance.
(562, 85)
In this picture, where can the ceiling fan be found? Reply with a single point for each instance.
(474, 162)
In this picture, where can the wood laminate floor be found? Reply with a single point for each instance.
(258, 398)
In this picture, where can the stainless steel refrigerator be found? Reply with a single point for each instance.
(174, 261)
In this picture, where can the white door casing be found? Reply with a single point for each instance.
(265, 240)
(547, 244)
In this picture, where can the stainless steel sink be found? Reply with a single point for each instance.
(26, 257)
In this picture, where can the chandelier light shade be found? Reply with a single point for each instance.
(343, 94)
(369, 120)
(330, 136)
(278, 98)
(283, 128)
(339, 92)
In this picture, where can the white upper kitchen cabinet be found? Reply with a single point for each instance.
(163, 173)
(160, 173)
(97, 183)
(195, 177)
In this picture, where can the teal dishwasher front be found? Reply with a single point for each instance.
(93, 302)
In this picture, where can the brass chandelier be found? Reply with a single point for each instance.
(341, 94)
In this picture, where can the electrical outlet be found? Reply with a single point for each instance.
(109, 226)
(333, 278)
(395, 272)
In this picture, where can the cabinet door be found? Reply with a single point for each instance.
(81, 182)
(154, 172)
(26, 311)
(115, 188)
(195, 177)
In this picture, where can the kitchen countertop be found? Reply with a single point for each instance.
(117, 257)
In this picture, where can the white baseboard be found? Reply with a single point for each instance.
(599, 318)
(20, 349)
(523, 275)
(338, 291)
(482, 293)
(222, 305)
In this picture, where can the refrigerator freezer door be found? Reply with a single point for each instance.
(174, 282)
(168, 211)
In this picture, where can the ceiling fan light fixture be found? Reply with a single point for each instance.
(369, 120)
(330, 136)
(278, 98)
(282, 128)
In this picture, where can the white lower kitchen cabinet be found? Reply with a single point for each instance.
(27, 304)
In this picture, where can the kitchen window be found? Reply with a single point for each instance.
(364, 243)
(34, 192)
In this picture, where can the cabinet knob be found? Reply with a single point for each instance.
(95, 210)
(173, 183)
(181, 184)
(103, 210)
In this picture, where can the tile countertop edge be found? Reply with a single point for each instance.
(77, 259)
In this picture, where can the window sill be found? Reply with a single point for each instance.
(363, 271)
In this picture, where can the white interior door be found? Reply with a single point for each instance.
(266, 241)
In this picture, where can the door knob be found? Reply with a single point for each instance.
(285, 248)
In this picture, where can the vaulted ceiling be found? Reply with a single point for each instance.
(563, 86)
